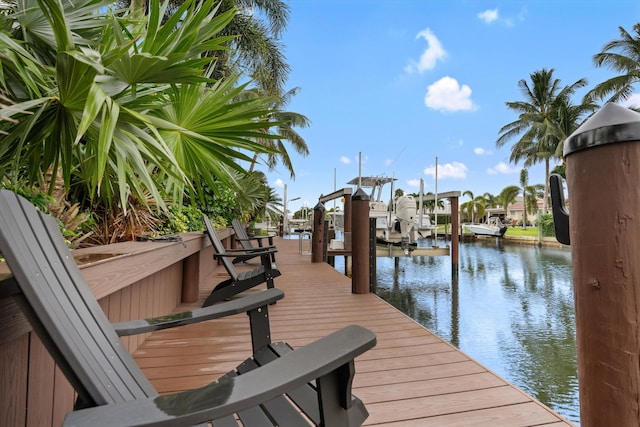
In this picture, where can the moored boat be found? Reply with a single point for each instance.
(493, 228)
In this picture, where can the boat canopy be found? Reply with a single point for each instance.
(373, 182)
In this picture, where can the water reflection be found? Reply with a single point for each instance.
(510, 307)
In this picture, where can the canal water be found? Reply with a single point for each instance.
(510, 308)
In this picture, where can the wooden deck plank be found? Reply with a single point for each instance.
(411, 378)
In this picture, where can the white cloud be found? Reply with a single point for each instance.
(488, 16)
(482, 152)
(455, 170)
(388, 162)
(491, 16)
(279, 183)
(345, 160)
(503, 168)
(430, 56)
(446, 94)
(632, 101)
(413, 183)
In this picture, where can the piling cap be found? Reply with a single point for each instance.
(360, 194)
(613, 123)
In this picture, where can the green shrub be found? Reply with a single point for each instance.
(547, 225)
(182, 219)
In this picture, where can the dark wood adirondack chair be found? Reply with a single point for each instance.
(239, 281)
(243, 238)
(277, 386)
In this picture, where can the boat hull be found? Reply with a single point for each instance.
(487, 230)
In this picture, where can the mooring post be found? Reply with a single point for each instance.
(318, 242)
(348, 259)
(373, 257)
(603, 172)
(360, 242)
(455, 240)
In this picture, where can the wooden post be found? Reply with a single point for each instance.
(603, 172)
(373, 257)
(347, 214)
(455, 240)
(348, 259)
(191, 278)
(360, 242)
(317, 244)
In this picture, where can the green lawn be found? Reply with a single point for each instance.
(518, 231)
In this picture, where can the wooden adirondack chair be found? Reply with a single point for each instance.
(243, 238)
(277, 386)
(239, 281)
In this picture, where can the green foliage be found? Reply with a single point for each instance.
(219, 202)
(37, 198)
(123, 106)
(75, 224)
(548, 228)
(182, 219)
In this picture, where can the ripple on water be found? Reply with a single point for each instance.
(511, 309)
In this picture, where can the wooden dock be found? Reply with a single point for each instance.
(411, 378)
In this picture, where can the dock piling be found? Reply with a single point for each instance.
(603, 171)
(360, 242)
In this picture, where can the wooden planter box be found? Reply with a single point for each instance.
(131, 280)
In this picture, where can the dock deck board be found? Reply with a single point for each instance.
(411, 378)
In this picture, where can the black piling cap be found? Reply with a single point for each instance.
(360, 194)
(613, 123)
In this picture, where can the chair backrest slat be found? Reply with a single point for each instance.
(219, 248)
(62, 308)
(241, 232)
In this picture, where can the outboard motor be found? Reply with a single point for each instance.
(406, 213)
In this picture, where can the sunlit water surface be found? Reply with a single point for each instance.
(511, 309)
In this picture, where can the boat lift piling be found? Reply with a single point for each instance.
(359, 246)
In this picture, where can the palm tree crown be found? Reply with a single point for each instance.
(623, 56)
(545, 117)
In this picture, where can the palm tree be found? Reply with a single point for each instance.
(491, 200)
(508, 196)
(273, 207)
(544, 118)
(475, 206)
(467, 207)
(126, 113)
(252, 38)
(285, 123)
(255, 43)
(623, 56)
(524, 178)
(532, 193)
(429, 205)
(560, 170)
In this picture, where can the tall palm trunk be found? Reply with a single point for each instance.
(545, 207)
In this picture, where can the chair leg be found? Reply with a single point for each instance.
(260, 331)
(334, 395)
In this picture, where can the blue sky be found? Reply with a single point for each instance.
(405, 81)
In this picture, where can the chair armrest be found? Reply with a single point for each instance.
(253, 251)
(244, 254)
(227, 308)
(259, 239)
(220, 399)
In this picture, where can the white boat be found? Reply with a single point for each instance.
(399, 225)
(493, 228)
